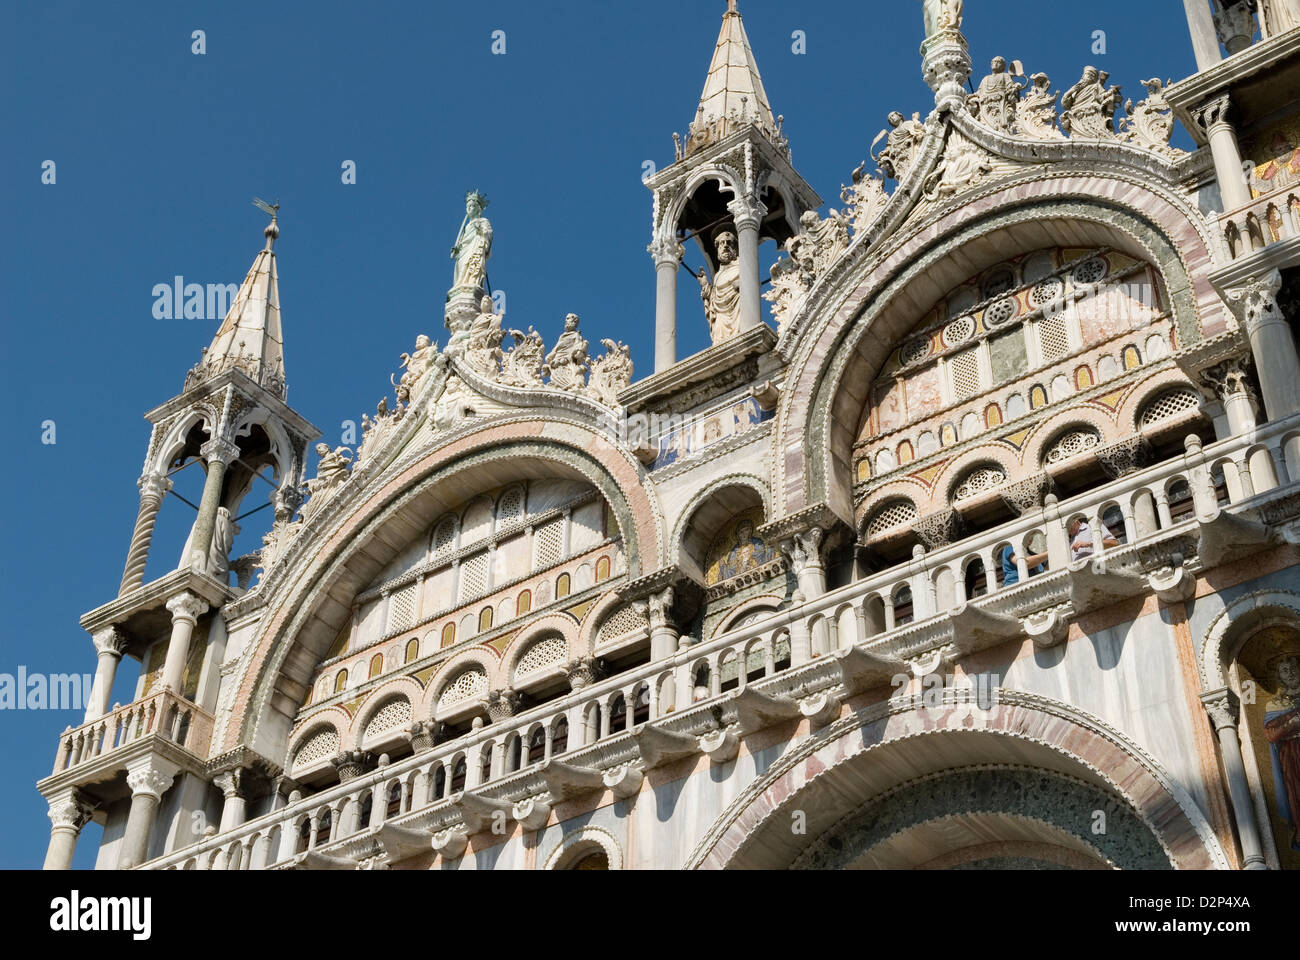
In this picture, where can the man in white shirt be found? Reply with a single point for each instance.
(1081, 542)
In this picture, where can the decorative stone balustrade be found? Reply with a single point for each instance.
(1180, 516)
(1261, 223)
(161, 714)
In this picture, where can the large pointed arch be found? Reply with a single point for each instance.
(873, 299)
(314, 594)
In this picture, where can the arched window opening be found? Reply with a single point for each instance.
(340, 681)
(524, 603)
(1181, 506)
(412, 650)
(977, 579)
(394, 799)
(700, 683)
(485, 619)
(618, 714)
(323, 828)
(562, 585)
(376, 665)
(1220, 481)
(367, 808)
(602, 569)
(1113, 520)
(485, 765)
(641, 705)
(304, 836)
(903, 605)
(537, 746)
(459, 774)
(560, 738)
(449, 634)
(597, 860)
(514, 753)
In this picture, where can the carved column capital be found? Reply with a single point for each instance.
(111, 640)
(219, 450)
(1231, 377)
(1222, 706)
(1124, 457)
(661, 608)
(1025, 495)
(747, 213)
(666, 251)
(153, 486)
(423, 735)
(70, 811)
(804, 548)
(502, 704)
(1255, 301)
(939, 529)
(583, 672)
(231, 783)
(1216, 112)
(1234, 22)
(150, 781)
(187, 606)
(352, 763)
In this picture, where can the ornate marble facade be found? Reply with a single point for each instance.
(823, 569)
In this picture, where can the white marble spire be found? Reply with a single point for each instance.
(733, 91)
(250, 337)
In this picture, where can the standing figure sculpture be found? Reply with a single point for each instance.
(473, 246)
(942, 15)
(1088, 107)
(722, 296)
(416, 365)
(1282, 731)
(902, 141)
(482, 351)
(995, 102)
(567, 363)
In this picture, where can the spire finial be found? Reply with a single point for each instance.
(272, 229)
(731, 6)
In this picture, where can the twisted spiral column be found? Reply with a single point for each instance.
(152, 490)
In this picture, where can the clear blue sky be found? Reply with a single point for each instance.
(159, 153)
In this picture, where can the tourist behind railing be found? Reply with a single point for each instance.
(1010, 569)
(1081, 540)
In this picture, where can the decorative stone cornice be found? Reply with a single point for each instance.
(818, 516)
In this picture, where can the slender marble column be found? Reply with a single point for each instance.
(1271, 343)
(110, 644)
(748, 215)
(667, 254)
(186, 608)
(68, 814)
(1221, 705)
(148, 782)
(153, 488)
(663, 635)
(219, 454)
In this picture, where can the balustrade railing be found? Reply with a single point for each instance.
(1156, 501)
(161, 714)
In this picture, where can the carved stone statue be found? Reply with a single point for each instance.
(942, 15)
(819, 242)
(1036, 113)
(963, 164)
(331, 469)
(473, 246)
(224, 530)
(1088, 107)
(483, 341)
(864, 199)
(904, 140)
(416, 365)
(790, 284)
(722, 295)
(1150, 124)
(994, 103)
(610, 373)
(521, 365)
(568, 361)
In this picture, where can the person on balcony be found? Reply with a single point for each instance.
(1010, 565)
(1081, 541)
